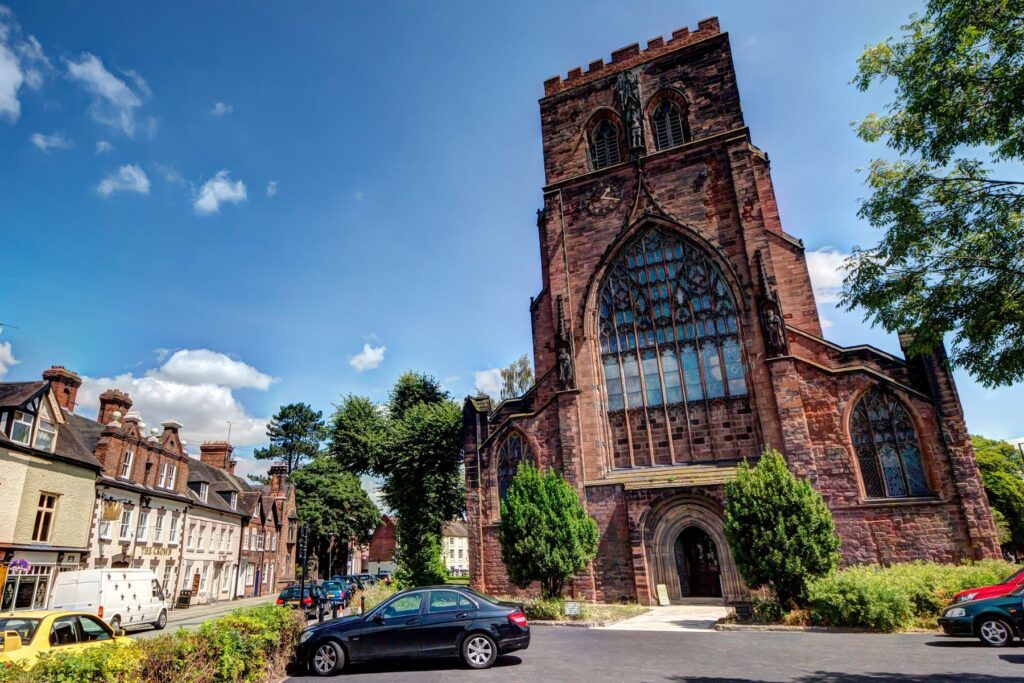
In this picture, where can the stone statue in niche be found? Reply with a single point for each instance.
(565, 373)
(775, 331)
(632, 110)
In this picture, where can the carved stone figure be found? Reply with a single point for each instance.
(632, 109)
(775, 331)
(565, 372)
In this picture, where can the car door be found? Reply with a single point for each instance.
(92, 631)
(447, 615)
(394, 630)
(64, 634)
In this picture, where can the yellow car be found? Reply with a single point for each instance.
(26, 635)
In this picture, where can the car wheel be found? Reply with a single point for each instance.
(161, 621)
(115, 622)
(995, 632)
(479, 651)
(327, 659)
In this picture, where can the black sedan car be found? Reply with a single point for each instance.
(435, 621)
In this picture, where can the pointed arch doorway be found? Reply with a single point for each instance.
(697, 564)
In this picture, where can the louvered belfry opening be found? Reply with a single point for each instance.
(605, 145)
(669, 125)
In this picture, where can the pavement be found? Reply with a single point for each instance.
(596, 655)
(677, 618)
(192, 617)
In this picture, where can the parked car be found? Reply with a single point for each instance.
(993, 620)
(337, 593)
(26, 635)
(1013, 581)
(366, 580)
(435, 621)
(124, 597)
(384, 576)
(313, 600)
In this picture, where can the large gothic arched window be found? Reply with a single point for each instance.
(887, 448)
(513, 452)
(668, 325)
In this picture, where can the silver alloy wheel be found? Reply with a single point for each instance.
(161, 621)
(994, 632)
(325, 659)
(478, 650)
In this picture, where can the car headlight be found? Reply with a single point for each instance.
(306, 635)
(969, 596)
(955, 612)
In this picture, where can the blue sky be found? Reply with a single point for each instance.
(221, 206)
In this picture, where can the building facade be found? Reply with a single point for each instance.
(455, 548)
(380, 553)
(676, 333)
(48, 481)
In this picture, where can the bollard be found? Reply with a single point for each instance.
(320, 615)
(334, 611)
(362, 604)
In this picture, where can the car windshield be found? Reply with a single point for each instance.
(26, 628)
(332, 586)
(1013, 576)
(292, 593)
(1017, 592)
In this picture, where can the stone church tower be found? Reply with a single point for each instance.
(676, 333)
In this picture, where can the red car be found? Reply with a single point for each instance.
(1000, 589)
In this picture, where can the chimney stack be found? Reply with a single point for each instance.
(278, 474)
(112, 401)
(218, 454)
(65, 386)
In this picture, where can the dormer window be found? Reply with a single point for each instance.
(233, 500)
(21, 430)
(204, 491)
(604, 145)
(126, 466)
(46, 435)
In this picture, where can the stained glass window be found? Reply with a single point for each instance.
(668, 124)
(604, 145)
(513, 452)
(887, 448)
(668, 326)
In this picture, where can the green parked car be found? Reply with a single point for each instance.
(994, 620)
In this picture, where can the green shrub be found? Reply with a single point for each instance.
(899, 597)
(779, 529)
(551, 609)
(375, 594)
(768, 611)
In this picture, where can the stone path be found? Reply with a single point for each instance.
(673, 618)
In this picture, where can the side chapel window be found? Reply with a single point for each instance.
(513, 452)
(887, 448)
(668, 326)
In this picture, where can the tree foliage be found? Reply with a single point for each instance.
(951, 259)
(779, 529)
(296, 432)
(414, 448)
(545, 533)
(517, 378)
(1002, 472)
(333, 503)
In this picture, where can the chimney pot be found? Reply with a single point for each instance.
(65, 385)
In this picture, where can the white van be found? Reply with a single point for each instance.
(123, 597)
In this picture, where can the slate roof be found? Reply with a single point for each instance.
(16, 394)
(88, 430)
(456, 528)
(70, 446)
(219, 481)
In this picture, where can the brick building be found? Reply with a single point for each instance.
(676, 333)
(380, 554)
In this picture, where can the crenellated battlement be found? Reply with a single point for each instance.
(631, 55)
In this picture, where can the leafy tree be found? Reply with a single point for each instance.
(1002, 472)
(335, 506)
(779, 529)
(517, 378)
(952, 256)
(414, 448)
(545, 533)
(295, 434)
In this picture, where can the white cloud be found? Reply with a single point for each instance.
(103, 147)
(488, 382)
(170, 173)
(217, 190)
(114, 103)
(827, 267)
(22, 62)
(272, 188)
(48, 142)
(221, 109)
(128, 178)
(204, 405)
(369, 358)
(7, 358)
(202, 366)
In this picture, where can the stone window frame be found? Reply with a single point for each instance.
(681, 101)
(923, 451)
(598, 117)
(529, 455)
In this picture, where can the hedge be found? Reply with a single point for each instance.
(250, 645)
(894, 598)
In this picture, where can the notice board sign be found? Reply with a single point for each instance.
(572, 609)
(663, 595)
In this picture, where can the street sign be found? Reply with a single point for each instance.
(572, 609)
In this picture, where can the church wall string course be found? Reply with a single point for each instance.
(676, 333)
